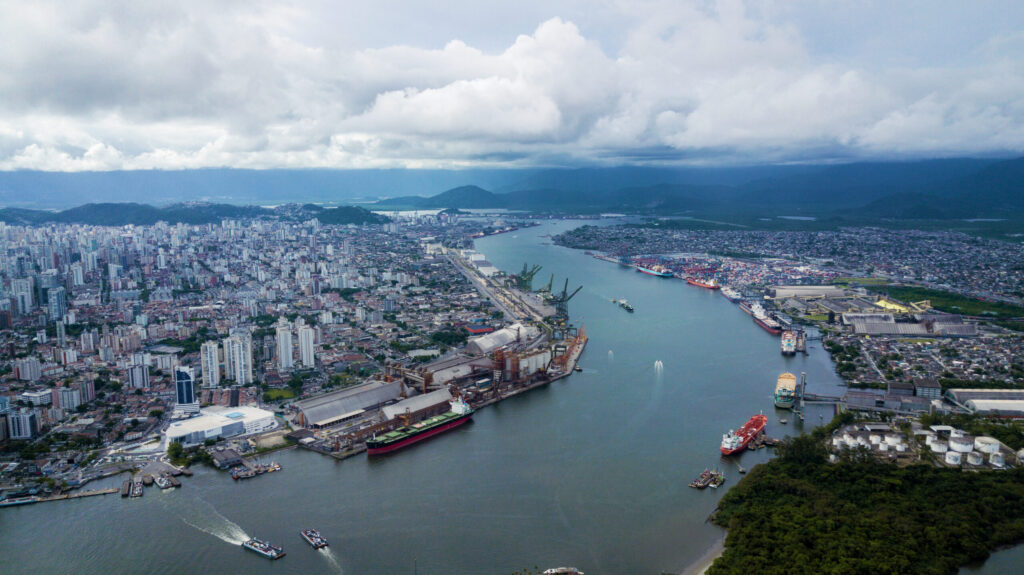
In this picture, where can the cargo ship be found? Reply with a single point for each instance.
(748, 308)
(263, 548)
(703, 283)
(785, 391)
(731, 294)
(788, 342)
(655, 270)
(736, 441)
(313, 537)
(409, 434)
(764, 320)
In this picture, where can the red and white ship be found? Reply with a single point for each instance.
(736, 441)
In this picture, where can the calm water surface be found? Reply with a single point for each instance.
(591, 471)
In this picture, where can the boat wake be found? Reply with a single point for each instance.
(208, 520)
(331, 559)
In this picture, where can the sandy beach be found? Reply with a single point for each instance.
(701, 565)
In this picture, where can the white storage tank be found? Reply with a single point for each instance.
(837, 442)
(883, 447)
(832, 458)
(892, 439)
(875, 439)
(953, 458)
(956, 433)
(961, 444)
(901, 447)
(997, 460)
(940, 446)
(974, 458)
(986, 444)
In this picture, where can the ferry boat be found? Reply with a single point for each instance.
(785, 391)
(788, 342)
(736, 441)
(706, 284)
(407, 435)
(313, 537)
(263, 548)
(731, 294)
(655, 270)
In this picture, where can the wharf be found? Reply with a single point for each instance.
(74, 495)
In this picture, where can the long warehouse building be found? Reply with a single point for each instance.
(339, 406)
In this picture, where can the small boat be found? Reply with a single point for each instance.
(163, 482)
(703, 480)
(313, 537)
(740, 468)
(563, 571)
(717, 479)
(783, 420)
(577, 368)
(263, 548)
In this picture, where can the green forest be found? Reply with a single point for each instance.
(799, 514)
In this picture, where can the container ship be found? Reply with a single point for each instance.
(409, 434)
(313, 537)
(736, 441)
(263, 548)
(655, 270)
(785, 391)
(703, 283)
(788, 342)
(731, 294)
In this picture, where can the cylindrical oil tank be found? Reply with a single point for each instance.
(961, 444)
(875, 439)
(901, 447)
(953, 458)
(940, 446)
(883, 447)
(986, 444)
(957, 433)
(997, 460)
(892, 439)
(974, 458)
(929, 438)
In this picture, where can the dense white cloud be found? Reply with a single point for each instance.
(135, 85)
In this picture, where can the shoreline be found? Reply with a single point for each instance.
(703, 563)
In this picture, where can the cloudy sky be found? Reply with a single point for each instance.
(110, 85)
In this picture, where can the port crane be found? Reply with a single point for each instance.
(524, 279)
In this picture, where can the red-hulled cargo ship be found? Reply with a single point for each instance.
(735, 441)
(706, 284)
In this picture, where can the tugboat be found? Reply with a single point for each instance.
(717, 478)
(625, 305)
(263, 548)
(313, 537)
(703, 480)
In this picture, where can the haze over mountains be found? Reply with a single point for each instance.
(932, 189)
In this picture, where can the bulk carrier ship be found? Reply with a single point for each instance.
(731, 294)
(788, 342)
(785, 391)
(409, 434)
(763, 319)
(736, 441)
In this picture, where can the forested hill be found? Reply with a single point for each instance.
(799, 514)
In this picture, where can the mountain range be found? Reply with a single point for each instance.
(935, 189)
